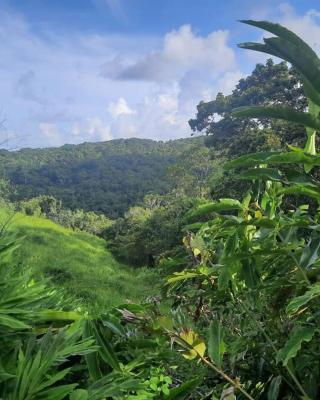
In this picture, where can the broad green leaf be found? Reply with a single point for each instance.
(302, 190)
(53, 315)
(181, 276)
(113, 323)
(280, 31)
(222, 205)
(230, 247)
(12, 323)
(298, 335)
(290, 157)
(288, 46)
(79, 394)
(310, 146)
(262, 173)
(194, 227)
(250, 273)
(224, 277)
(4, 375)
(300, 58)
(92, 359)
(278, 112)
(273, 391)
(311, 252)
(111, 386)
(299, 178)
(216, 345)
(249, 159)
(106, 351)
(310, 91)
(57, 393)
(163, 323)
(53, 379)
(297, 302)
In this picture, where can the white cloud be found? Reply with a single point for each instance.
(119, 107)
(158, 116)
(51, 133)
(60, 89)
(181, 52)
(54, 81)
(91, 129)
(186, 69)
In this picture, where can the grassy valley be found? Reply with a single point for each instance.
(78, 262)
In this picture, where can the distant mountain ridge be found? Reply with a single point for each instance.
(106, 177)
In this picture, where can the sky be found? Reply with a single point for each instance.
(94, 70)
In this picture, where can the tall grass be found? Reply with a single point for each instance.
(78, 262)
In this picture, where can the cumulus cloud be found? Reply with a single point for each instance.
(58, 88)
(185, 69)
(51, 83)
(91, 129)
(160, 115)
(119, 107)
(182, 51)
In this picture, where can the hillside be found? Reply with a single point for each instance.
(76, 261)
(106, 177)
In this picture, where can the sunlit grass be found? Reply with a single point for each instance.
(78, 262)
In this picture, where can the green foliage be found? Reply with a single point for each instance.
(253, 269)
(107, 177)
(145, 233)
(49, 352)
(216, 345)
(297, 336)
(242, 301)
(230, 137)
(268, 84)
(50, 207)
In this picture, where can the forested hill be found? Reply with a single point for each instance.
(106, 177)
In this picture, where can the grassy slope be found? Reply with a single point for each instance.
(78, 262)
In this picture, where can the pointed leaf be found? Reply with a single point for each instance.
(298, 335)
(297, 302)
(216, 345)
(278, 112)
(274, 388)
(79, 394)
(311, 252)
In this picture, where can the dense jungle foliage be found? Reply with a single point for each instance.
(234, 242)
(106, 177)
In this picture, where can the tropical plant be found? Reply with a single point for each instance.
(252, 285)
(49, 352)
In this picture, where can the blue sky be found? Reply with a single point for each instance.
(92, 70)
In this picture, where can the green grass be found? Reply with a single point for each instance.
(78, 262)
